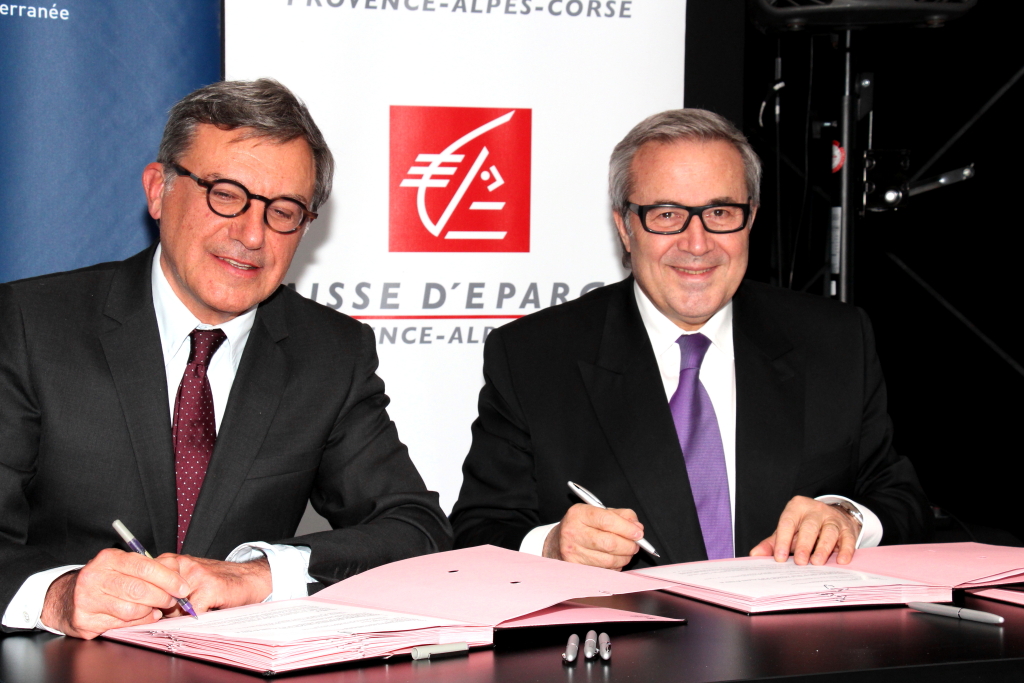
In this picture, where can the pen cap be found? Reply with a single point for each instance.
(130, 539)
(572, 648)
(122, 531)
(585, 495)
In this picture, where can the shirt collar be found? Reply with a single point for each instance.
(664, 333)
(176, 322)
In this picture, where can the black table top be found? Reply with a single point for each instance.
(851, 644)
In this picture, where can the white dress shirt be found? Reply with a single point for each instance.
(718, 375)
(289, 565)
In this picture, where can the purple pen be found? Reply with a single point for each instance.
(133, 543)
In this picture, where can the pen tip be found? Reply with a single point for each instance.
(655, 554)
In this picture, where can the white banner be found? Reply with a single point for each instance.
(472, 139)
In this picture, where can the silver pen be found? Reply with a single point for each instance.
(956, 612)
(572, 648)
(604, 646)
(424, 651)
(590, 499)
(590, 645)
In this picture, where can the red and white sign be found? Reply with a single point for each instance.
(838, 156)
(460, 179)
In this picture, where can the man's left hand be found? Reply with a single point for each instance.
(811, 530)
(217, 584)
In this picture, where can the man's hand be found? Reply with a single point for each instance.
(590, 535)
(114, 589)
(217, 584)
(807, 526)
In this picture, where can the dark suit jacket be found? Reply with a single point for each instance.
(85, 434)
(574, 393)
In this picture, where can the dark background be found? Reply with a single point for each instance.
(955, 403)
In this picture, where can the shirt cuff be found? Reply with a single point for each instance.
(870, 531)
(26, 607)
(534, 541)
(289, 567)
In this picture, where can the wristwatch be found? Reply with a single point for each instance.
(850, 510)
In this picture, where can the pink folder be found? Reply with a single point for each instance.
(1015, 597)
(458, 596)
(491, 585)
(876, 576)
(957, 565)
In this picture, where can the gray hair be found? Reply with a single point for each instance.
(671, 126)
(265, 106)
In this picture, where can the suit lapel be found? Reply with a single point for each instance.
(769, 420)
(131, 344)
(626, 392)
(255, 394)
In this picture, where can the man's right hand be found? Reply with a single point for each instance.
(590, 535)
(114, 589)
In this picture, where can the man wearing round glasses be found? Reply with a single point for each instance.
(190, 395)
(222, 256)
(717, 417)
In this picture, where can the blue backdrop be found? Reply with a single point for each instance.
(84, 91)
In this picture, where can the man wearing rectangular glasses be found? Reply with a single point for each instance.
(718, 417)
(189, 394)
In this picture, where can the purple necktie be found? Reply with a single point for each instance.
(194, 429)
(701, 441)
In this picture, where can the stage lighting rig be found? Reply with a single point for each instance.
(886, 181)
(835, 15)
(869, 179)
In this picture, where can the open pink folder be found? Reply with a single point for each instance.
(1014, 596)
(877, 576)
(457, 596)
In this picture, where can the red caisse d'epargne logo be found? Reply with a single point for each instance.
(460, 179)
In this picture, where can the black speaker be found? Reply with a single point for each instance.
(794, 15)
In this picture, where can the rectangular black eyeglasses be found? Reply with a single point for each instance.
(722, 223)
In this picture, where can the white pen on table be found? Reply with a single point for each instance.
(956, 612)
(590, 645)
(590, 499)
(424, 651)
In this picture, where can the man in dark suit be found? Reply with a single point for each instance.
(187, 393)
(719, 416)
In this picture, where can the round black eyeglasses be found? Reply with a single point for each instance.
(230, 198)
(672, 219)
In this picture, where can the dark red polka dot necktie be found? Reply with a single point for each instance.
(195, 427)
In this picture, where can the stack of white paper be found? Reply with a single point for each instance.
(876, 576)
(760, 584)
(453, 597)
(282, 636)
